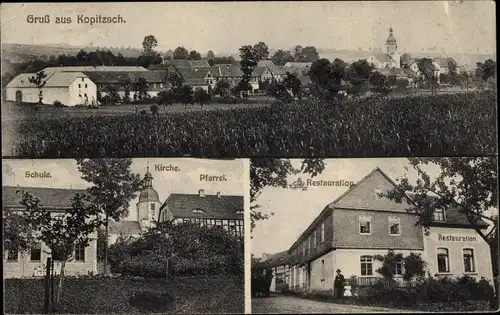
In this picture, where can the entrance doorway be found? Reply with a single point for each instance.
(19, 96)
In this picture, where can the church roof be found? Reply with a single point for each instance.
(391, 40)
(211, 206)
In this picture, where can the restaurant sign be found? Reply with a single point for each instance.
(455, 238)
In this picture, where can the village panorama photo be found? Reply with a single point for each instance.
(374, 235)
(229, 79)
(123, 236)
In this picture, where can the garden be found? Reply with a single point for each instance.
(453, 125)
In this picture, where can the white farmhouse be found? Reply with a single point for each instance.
(69, 88)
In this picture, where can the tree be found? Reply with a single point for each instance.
(18, 236)
(173, 79)
(281, 57)
(61, 233)
(358, 75)
(127, 86)
(148, 45)
(297, 53)
(292, 83)
(261, 50)
(181, 53)
(194, 55)
(272, 172)
(201, 97)
(249, 60)
(141, 89)
(210, 55)
(380, 83)
(467, 183)
(222, 88)
(405, 61)
(39, 82)
(486, 70)
(310, 54)
(114, 185)
(327, 77)
(184, 94)
(427, 69)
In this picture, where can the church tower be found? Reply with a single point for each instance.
(148, 206)
(392, 49)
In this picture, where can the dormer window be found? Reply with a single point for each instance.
(198, 210)
(439, 215)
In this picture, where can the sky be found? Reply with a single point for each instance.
(454, 26)
(64, 174)
(294, 210)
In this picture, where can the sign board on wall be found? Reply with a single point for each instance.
(456, 238)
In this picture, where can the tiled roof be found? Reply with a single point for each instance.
(53, 79)
(199, 64)
(132, 227)
(54, 198)
(195, 82)
(258, 71)
(382, 57)
(298, 64)
(92, 68)
(107, 77)
(443, 62)
(363, 195)
(212, 206)
(178, 63)
(281, 258)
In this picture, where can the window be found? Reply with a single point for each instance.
(239, 227)
(161, 85)
(394, 226)
(12, 255)
(79, 252)
(153, 208)
(365, 224)
(218, 222)
(438, 215)
(443, 260)
(398, 268)
(322, 232)
(225, 225)
(314, 238)
(85, 85)
(322, 270)
(79, 85)
(469, 265)
(366, 266)
(83, 79)
(36, 252)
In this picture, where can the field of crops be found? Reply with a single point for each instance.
(458, 124)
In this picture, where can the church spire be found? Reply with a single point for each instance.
(148, 178)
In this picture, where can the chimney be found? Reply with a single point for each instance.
(201, 192)
(218, 194)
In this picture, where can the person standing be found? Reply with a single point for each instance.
(339, 284)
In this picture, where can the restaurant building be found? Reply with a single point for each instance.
(361, 223)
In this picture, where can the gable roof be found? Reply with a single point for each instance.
(281, 258)
(382, 57)
(213, 206)
(442, 62)
(51, 198)
(108, 77)
(258, 71)
(363, 194)
(94, 68)
(178, 63)
(53, 79)
(199, 63)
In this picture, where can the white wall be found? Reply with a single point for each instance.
(323, 272)
(481, 249)
(78, 89)
(30, 95)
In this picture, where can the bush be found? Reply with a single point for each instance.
(58, 104)
(154, 109)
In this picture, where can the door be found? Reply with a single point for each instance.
(19, 96)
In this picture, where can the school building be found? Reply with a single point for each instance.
(360, 224)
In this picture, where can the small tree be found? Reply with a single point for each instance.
(201, 97)
(17, 234)
(39, 82)
(185, 95)
(414, 267)
(222, 88)
(61, 233)
(292, 83)
(389, 261)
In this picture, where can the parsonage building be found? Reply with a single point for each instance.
(360, 224)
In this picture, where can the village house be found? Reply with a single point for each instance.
(69, 88)
(209, 210)
(299, 68)
(280, 266)
(123, 81)
(32, 263)
(360, 224)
